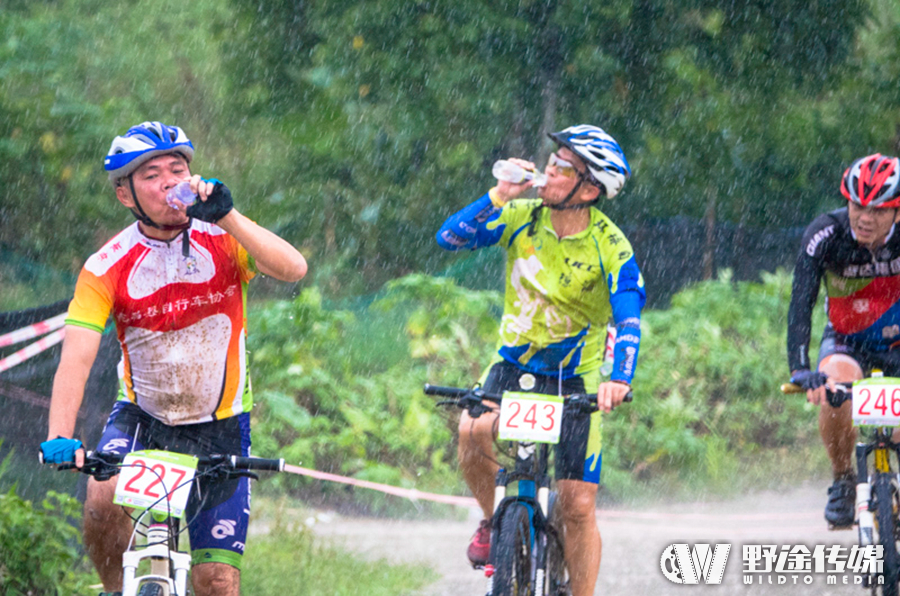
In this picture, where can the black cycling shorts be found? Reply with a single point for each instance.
(835, 343)
(578, 455)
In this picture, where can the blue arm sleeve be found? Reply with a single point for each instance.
(627, 302)
(627, 315)
(468, 227)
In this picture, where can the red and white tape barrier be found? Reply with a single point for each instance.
(32, 349)
(26, 333)
(411, 494)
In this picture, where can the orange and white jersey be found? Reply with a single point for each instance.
(181, 320)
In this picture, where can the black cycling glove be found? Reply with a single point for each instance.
(215, 207)
(809, 379)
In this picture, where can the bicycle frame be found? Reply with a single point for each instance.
(533, 483)
(168, 566)
(531, 475)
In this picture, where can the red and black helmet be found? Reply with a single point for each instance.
(873, 181)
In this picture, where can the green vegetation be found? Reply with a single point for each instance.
(288, 561)
(340, 390)
(353, 128)
(39, 552)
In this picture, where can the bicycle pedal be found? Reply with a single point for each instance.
(836, 528)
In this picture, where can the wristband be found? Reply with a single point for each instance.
(495, 198)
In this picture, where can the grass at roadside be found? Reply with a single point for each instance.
(288, 561)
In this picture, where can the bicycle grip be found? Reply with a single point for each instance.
(788, 388)
(257, 463)
(445, 391)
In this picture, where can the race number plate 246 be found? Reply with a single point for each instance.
(876, 402)
(530, 417)
(156, 480)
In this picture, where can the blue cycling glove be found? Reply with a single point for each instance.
(809, 379)
(60, 450)
(215, 207)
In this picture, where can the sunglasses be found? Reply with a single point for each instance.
(563, 167)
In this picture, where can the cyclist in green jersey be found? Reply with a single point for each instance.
(570, 271)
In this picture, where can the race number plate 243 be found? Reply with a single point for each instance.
(156, 480)
(530, 417)
(876, 402)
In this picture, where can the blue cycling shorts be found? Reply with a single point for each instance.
(218, 512)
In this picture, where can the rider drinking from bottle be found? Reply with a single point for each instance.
(175, 283)
(856, 251)
(569, 271)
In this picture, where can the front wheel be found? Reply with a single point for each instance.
(886, 509)
(511, 556)
(151, 589)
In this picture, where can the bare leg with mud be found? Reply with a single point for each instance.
(107, 530)
(476, 458)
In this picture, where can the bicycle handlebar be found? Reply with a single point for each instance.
(469, 398)
(103, 465)
(842, 392)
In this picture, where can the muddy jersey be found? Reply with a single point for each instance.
(181, 320)
(862, 288)
(560, 292)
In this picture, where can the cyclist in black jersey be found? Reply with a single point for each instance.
(856, 252)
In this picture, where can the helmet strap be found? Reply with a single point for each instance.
(141, 215)
(564, 204)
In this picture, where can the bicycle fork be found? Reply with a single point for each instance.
(881, 448)
(161, 556)
(533, 492)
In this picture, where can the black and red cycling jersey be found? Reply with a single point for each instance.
(862, 288)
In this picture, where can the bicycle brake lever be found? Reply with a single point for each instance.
(243, 474)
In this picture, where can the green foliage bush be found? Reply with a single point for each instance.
(707, 403)
(39, 553)
(316, 569)
(340, 389)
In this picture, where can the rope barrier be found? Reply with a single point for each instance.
(31, 331)
(411, 494)
(32, 349)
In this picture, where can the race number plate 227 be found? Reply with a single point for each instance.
(876, 402)
(156, 480)
(530, 417)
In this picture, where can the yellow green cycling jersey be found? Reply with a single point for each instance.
(560, 292)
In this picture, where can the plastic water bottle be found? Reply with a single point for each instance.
(510, 172)
(182, 192)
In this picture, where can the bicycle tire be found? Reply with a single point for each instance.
(151, 589)
(512, 556)
(557, 571)
(886, 503)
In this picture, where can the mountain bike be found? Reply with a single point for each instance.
(876, 404)
(527, 534)
(156, 486)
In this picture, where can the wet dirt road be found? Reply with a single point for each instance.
(633, 541)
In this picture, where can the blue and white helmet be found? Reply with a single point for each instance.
(606, 163)
(142, 143)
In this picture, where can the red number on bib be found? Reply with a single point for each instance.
(531, 416)
(868, 395)
(160, 474)
(142, 467)
(509, 423)
(550, 410)
(881, 402)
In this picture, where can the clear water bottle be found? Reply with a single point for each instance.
(182, 192)
(510, 172)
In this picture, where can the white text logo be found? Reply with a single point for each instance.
(682, 564)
